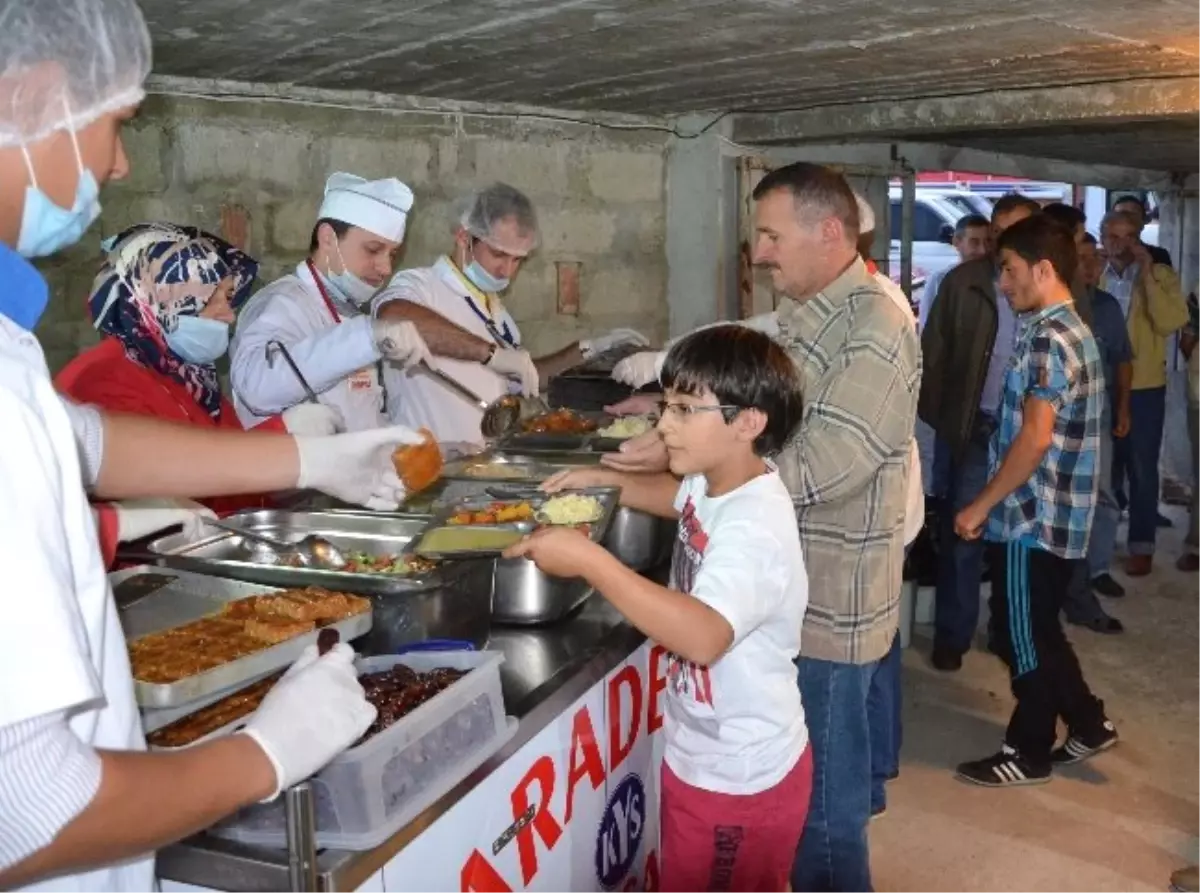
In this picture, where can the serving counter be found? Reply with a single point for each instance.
(569, 803)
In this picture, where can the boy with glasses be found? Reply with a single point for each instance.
(737, 770)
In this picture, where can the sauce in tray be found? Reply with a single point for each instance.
(468, 539)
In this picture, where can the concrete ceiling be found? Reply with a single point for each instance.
(668, 57)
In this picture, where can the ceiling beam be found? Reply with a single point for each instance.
(1130, 100)
(896, 157)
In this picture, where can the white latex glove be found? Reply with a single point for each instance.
(589, 347)
(399, 342)
(313, 418)
(311, 715)
(517, 365)
(640, 369)
(137, 518)
(356, 467)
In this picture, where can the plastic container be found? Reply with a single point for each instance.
(372, 791)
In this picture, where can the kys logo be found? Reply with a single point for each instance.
(622, 827)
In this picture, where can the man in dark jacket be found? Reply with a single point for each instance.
(966, 344)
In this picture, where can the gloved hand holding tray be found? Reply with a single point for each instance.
(489, 524)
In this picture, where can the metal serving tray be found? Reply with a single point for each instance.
(539, 444)
(189, 597)
(608, 497)
(376, 534)
(491, 467)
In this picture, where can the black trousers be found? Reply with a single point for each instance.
(1028, 588)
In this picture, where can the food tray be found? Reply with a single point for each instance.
(372, 791)
(378, 534)
(552, 442)
(497, 468)
(608, 497)
(190, 597)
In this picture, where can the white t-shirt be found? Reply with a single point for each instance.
(737, 726)
(419, 400)
(61, 625)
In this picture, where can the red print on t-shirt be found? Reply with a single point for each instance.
(685, 677)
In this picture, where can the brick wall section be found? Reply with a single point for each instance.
(599, 193)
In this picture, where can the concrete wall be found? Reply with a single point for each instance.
(599, 192)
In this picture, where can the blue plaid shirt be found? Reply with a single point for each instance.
(1056, 360)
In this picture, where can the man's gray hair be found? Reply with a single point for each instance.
(1121, 217)
(817, 191)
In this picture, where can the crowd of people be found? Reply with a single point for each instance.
(785, 448)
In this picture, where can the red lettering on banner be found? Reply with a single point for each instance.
(658, 684)
(543, 822)
(651, 879)
(478, 876)
(618, 750)
(585, 761)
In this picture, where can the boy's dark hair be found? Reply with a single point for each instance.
(742, 368)
(339, 229)
(967, 221)
(1039, 238)
(1065, 215)
(815, 189)
(1011, 202)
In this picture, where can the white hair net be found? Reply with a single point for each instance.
(486, 209)
(866, 216)
(64, 63)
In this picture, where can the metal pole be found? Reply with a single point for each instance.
(301, 838)
(908, 198)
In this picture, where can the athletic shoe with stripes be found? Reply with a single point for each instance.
(1003, 770)
(1078, 748)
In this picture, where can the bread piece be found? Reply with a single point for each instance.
(419, 465)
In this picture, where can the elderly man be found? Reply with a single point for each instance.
(455, 305)
(1136, 208)
(847, 468)
(1154, 309)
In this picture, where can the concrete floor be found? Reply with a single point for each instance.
(1123, 821)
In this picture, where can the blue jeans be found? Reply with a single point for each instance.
(940, 470)
(833, 853)
(1141, 448)
(884, 703)
(960, 564)
(1102, 541)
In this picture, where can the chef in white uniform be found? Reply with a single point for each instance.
(456, 307)
(82, 806)
(316, 313)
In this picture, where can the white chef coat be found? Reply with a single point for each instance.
(418, 400)
(339, 360)
(62, 621)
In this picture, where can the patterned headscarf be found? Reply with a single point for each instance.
(153, 274)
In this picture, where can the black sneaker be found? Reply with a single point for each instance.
(946, 659)
(1078, 748)
(1005, 769)
(1105, 585)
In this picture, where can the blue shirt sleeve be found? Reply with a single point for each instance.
(1051, 375)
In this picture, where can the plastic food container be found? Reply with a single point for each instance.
(372, 791)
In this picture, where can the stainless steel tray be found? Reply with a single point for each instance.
(538, 444)
(608, 497)
(377, 534)
(496, 468)
(189, 597)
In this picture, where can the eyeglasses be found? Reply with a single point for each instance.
(687, 410)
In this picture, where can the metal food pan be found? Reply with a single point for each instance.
(493, 468)
(608, 497)
(376, 534)
(189, 597)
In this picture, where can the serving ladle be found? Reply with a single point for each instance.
(311, 551)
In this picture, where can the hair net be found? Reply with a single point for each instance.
(485, 209)
(66, 63)
(866, 216)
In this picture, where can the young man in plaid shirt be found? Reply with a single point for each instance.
(1037, 509)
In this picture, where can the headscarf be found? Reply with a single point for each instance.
(154, 273)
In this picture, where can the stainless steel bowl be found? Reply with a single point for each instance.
(523, 595)
(636, 538)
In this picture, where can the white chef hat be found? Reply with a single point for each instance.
(866, 216)
(379, 206)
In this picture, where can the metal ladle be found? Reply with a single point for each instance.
(311, 551)
(277, 347)
(500, 416)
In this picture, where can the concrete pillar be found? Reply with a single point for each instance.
(701, 226)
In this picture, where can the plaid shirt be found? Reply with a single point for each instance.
(846, 465)
(1058, 361)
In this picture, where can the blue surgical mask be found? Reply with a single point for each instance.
(46, 227)
(198, 340)
(482, 279)
(348, 287)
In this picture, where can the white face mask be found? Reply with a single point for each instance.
(349, 288)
